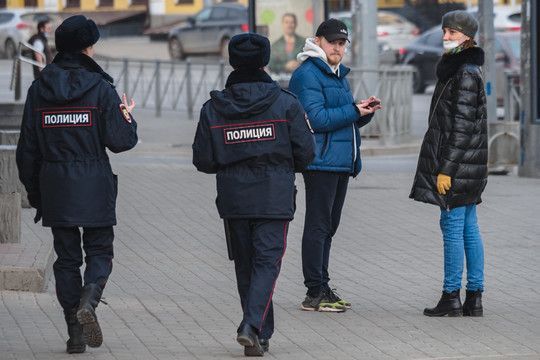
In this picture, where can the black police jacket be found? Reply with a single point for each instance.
(72, 113)
(455, 143)
(254, 136)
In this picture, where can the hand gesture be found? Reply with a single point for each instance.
(369, 105)
(130, 106)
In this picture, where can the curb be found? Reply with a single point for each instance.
(403, 149)
(32, 279)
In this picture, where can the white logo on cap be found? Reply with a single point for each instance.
(343, 31)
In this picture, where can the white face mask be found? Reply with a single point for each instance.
(449, 45)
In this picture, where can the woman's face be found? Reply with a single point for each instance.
(454, 35)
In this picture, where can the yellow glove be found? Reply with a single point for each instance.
(444, 182)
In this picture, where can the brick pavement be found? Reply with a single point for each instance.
(172, 294)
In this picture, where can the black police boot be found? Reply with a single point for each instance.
(473, 303)
(91, 294)
(75, 343)
(265, 344)
(450, 304)
(247, 337)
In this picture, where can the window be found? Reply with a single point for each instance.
(5, 17)
(106, 3)
(237, 14)
(73, 3)
(515, 17)
(218, 13)
(203, 15)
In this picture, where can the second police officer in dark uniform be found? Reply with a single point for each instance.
(72, 113)
(254, 136)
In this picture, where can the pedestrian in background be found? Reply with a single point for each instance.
(452, 167)
(287, 47)
(72, 114)
(39, 41)
(321, 86)
(254, 136)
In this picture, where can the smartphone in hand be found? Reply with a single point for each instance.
(374, 103)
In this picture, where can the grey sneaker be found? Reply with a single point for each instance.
(332, 295)
(321, 303)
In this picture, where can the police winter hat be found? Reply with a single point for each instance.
(461, 21)
(333, 29)
(249, 50)
(75, 34)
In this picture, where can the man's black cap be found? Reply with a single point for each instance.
(75, 34)
(333, 29)
(249, 50)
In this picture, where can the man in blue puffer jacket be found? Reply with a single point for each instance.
(325, 94)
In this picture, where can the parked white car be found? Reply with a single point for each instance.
(19, 25)
(507, 18)
(392, 29)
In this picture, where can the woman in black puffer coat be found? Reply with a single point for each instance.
(452, 167)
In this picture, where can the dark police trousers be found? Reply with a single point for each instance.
(325, 195)
(98, 248)
(258, 247)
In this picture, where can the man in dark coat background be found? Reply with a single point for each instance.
(40, 42)
(72, 114)
(254, 136)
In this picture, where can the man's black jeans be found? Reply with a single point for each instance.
(325, 195)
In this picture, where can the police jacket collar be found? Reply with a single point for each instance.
(80, 60)
(247, 93)
(239, 76)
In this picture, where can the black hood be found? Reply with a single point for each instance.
(450, 63)
(247, 93)
(70, 77)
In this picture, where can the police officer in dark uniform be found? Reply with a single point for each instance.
(72, 114)
(254, 136)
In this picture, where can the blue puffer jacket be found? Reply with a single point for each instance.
(329, 104)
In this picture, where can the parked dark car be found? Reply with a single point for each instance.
(424, 53)
(209, 31)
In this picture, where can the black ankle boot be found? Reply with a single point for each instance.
(91, 294)
(248, 337)
(265, 344)
(75, 343)
(450, 304)
(473, 303)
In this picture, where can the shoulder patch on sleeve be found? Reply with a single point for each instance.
(125, 113)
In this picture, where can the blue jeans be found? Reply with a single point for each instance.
(461, 236)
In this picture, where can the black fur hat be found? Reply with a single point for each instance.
(249, 50)
(75, 34)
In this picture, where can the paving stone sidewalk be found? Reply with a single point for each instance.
(172, 294)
